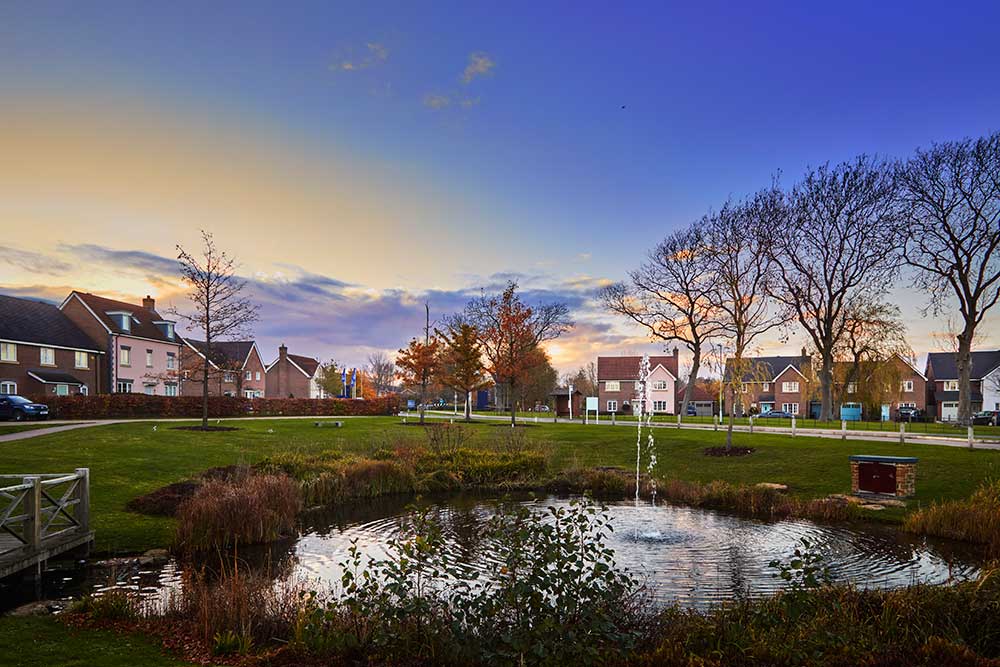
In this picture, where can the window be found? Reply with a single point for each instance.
(171, 361)
(766, 387)
(8, 388)
(81, 360)
(613, 405)
(8, 352)
(46, 356)
(229, 377)
(790, 407)
(149, 389)
(125, 357)
(852, 387)
(257, 374)
(122, 320)
(744, 387)
(951, 385)
(83, 390)
(907, 405)
(149, 358)
(170, 389)
(248, 376)
(62, 390)
(790, 387)
(907, 385)
(124, 387)
(659, 406)
(612, 385)
(660, 385)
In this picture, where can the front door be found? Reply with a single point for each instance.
(877, 478)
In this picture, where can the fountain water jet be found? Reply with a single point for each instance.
(644, 419)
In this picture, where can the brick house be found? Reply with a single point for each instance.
(563, 401)
(235, 369)
(293, 376)
(773, 383)
(43, 352)
(942, 383)
(901, 384)
(704, 400)
(141, 347)
(618, 383)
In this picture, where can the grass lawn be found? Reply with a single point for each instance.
(17, 428)
(127, 460)
(28, 642)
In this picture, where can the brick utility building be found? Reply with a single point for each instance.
(618, 383)
(235, 369)
(293, 376)
(43, 352)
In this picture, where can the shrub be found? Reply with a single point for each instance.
(752, 500)
(975, 519)
(114, 604)
(484, 468)
(224, 513)
(444, 439)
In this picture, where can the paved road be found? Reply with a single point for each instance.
(833, 434)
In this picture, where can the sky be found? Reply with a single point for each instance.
(360, 159)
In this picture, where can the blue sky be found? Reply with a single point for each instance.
(412, 151)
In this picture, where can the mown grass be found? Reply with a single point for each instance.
(6, 429)
(129, 460)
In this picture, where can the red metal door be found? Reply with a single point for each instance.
(877, 478)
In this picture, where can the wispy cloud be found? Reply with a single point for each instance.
(436, 101)
(480, 64)
(34, 262)
(136, 260)
(375, 54)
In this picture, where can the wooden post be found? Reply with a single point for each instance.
(83, 493)
(715, 420)
(751, 424)
(613, 418)
(793, 426)
(902, 433)
(33, 512)
(843, 429)
(678, 420)
(971, 441)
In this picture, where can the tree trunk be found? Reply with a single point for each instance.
(729, 428)
(468, 407)
(692, 379)
(825, 388)
(204, 386)
(510, 397)
(964, 362)
(423, 390)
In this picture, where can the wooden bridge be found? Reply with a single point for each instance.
(41, 516)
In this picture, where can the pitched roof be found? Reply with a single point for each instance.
(943, 365)
(770, 367)
(30, 321)
(701, 391)
(308, 365)
(143, 318)
(564, 391)
(54, 377)
(231, 353)
(627, 368)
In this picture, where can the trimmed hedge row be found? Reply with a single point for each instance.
(141, 406)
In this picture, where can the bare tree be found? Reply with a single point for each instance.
(669, 296)
(874, 334)
(836, 250)
(951, 204)
(510, 332)
(382, 372)
(744, 274)
(221, 310)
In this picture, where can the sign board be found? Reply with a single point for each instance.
(592, 403)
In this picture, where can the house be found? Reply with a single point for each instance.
(882, 389)
(43, 352)
(942, 379)
(293, 376)
(704, 400)
(618, 383)
(141, 347)
(773, 383)
(235, 369)
(562, 399)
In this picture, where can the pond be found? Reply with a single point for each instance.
(694, 557)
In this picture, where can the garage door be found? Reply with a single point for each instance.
(949, 412)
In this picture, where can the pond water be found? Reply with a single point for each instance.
(694, 557)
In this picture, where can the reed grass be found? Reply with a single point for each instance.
(974, 519)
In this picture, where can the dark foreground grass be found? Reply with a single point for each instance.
(129, 460)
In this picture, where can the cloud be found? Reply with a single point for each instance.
(375, 54)
(34, 262)
(436, 102)
(134, 260)
(469, 102)
(480, 64)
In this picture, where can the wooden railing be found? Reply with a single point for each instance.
(42, 510)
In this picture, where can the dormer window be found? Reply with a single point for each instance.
(122, 319)
(166, 328)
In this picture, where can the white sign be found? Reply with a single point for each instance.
(592, 403)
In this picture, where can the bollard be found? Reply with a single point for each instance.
(613, 418)
(678, 420)
(715, 420)
(970, 438)
(751, 424)
(793, 426)
(902, 433)
(843, 429)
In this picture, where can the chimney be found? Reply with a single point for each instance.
(283, 351)
(149, 303)
(804, 354)
(675, 351)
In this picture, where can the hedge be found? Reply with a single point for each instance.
(141, 406)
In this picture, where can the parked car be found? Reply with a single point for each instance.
(692, 411)
(985, 418)
(19, 408)
(908, 414)
(775, 414)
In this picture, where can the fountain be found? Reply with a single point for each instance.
(644, 418)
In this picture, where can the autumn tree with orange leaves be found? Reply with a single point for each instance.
(461, 361)
(510, 332)
(417, 364)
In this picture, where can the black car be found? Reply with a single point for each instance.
(985, 418)
(19, 408)
(775, 414)
(908, 414)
